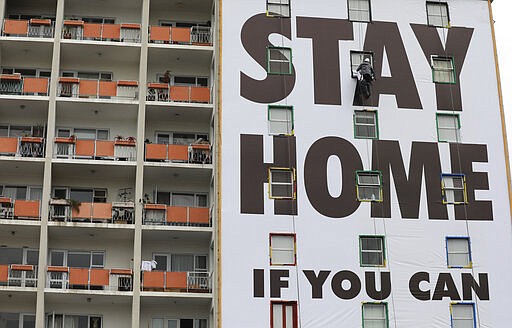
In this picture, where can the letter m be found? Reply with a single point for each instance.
(254, 173)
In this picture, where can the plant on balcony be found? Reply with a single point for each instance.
(75, 204)
(122, 141)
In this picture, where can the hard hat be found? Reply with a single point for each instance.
(367, 60)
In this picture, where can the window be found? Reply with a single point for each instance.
(448, 127)
(372, 252)
(280, 120)
(437, 14)
(283, 314)
(86, 195)
(181, 262)
(356, 58)
(14, 319)
(77, 259)
(179, 138)
(7, 130)
(278, 8)
(369, 186)
(443, 70)
(76, 321)
(365, 125)
(282, 249)
(182, 199)
(279, 60)
(19, 256)
(458, 252)
(463, 315)
(375, 315)
(359, 10)
(179, 323)
(281, 183)
(453, 188)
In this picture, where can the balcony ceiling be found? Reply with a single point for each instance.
(176, 176)
(109, 114)
(23, 53)
(94, 172)
(19, 297)
(182, 5)
(55, 299)
(148, 303)
(12, 235)
(100, 55)
(175, 237)
(22, 168)
(17, 110)
(179, 59)
(90, 234)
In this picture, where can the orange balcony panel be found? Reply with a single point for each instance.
(176, 280)
(57, 269)
(153, 279)
(73, 23)
(5, 200)
(99, 277)
(36, 21)
(88, 88)
(102, 211)
(32, 139)
(200, 94)
(108, 88)
(199, 215)
(84, 211)
(201, 146)
(176, 214)
(158, 85)
(104, 148)
(8, 145)
(121, 271)
(159, 33)
(22, 267)
(26, 208)
(92, 30)
(111, 31)
(178, 153)
(16, 27)
(15, 76)
(180, 34)
(155, 207)
(131, 26)
(78, 276)
(180, 93)
(156, 152)
(35, 85)
(4, 273)
(65, 140)
(69, 80)
(84, 148)
(126, 83)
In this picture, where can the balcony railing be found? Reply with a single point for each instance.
(19, 209)
(193, 153)
(79, 30)
(196, 35)
(89, 279)
(117, 212)
(33, 28)
(161, 214)
(189, 282)
(119, 150)
(97, 89)
(176, 93)
(22, 146)
(18, 275)
(15, 84)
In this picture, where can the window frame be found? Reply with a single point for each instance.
(365, 54)
(358, 20)
(284, 304)
(469, 257)
(457, 129)
(377, 173)
(294, 250)
(438, 4)
(292, 183)
(290, 62)
(383, 251)
(290, 108)
(453, 71)
(384, 304)
(444, 188)
(281, 5)
(454, 304)
(66, 252)
(375, 125)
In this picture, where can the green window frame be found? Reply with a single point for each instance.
(454, 188)
(280, 120)
(279, 61)
(443, 70)
(369, 186)
(438, 14)
(281, 183)
(448, 127)
(278, 8)
(359, 10)
(366, 124)
(375, 315)
(462, 315)
(372, 251)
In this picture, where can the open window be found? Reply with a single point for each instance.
(443, 70)
(282, 249)
(369, 186)
(358, 57)
(280, 120)
(453, 188)
(448, 127)
(366, 124)
(359, 10)
(283, 314)
(375, 315)
(372, 251)
(437, 14)
(462, 315)
(279, 60)
(278, 8)
(458, 252)
(281, 183)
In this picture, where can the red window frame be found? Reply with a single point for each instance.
(284, 304)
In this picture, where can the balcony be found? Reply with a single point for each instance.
(90, 279)
(18, 275)
(22, 146)
(15, 84)
(73, 148)
(97, 89)
(199, 153)
(186, 94)
(33, 28)
(79, 30)
(117, 212)
(19, 209)
(167, 281)
(195, 35)
(161, 214)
